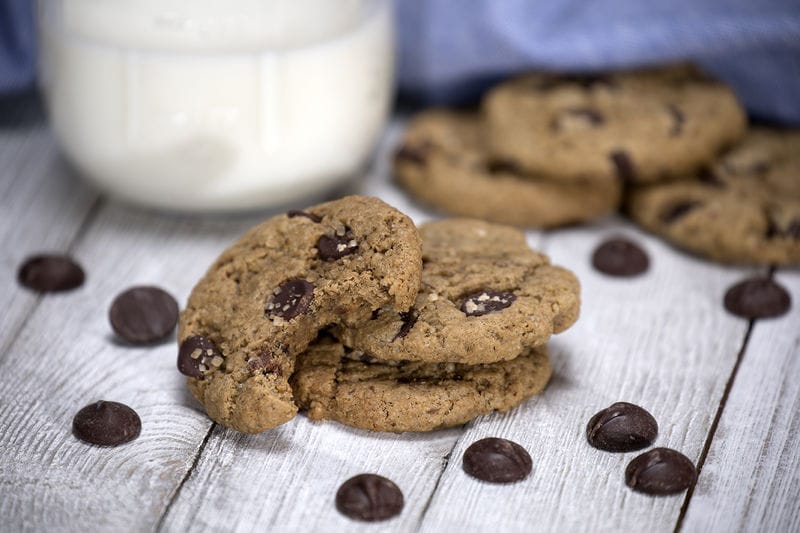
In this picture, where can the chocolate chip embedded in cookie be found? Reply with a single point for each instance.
(744, 209)
(485, 297)
(640, 125)
(333, 383)
(443, 162)
(267, 296)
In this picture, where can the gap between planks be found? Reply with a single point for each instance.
(186, 476)
(713, 429)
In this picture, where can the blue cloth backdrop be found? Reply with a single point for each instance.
(449, 50)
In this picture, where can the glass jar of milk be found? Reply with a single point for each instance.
(216, 105)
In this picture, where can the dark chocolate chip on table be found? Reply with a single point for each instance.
(197, 355)
(497, 461)
(369, 497)
(620, 257)
(143, 315)
(50, 273)
(758, 297)
(290, 299)
(305, 214)
(106, 424)
(485, 302)
(622, 427)
(338, 245)
(660, 472)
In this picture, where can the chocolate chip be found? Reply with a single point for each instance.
(621, 427)
(290, 299)
(620, 257)
(772, 230)
(678, 119)
(485, 302)
(197, 355)
(659, 472)
(375, 314)
(311, 216)
(411, 154)
(677, 210)
(503, 166)
(409, 318)
(369, 497)
(623, 165)
(757, 297)
(577, 117)
(106, 424)
(340, 244)
(497, 461)
(706, 176)
(143, 315)
(50, 273)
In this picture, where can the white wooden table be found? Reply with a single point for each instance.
(726, 393)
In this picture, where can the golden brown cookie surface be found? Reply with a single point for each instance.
(267, 296)
(485, 297)
(333, 384)
(443, 162)
(640, 125)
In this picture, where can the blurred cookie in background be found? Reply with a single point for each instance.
(744, 209)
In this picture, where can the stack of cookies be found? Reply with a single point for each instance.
(548, 150)
(347, 310)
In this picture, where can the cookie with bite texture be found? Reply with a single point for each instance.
(267, 296)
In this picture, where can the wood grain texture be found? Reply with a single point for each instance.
(42, 204)
(751, 478)
(662, 340)
(66, 357)
(644, 340)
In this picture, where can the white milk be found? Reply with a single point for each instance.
(210, 105)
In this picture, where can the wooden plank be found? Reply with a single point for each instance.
(42, 204)
(751, 477)
(66, 357)
(646, 340)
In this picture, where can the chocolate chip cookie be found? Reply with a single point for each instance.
(333, 383)
(485, 297)
(640, 125)
(267, 296)
(443, 162)
(744, 209)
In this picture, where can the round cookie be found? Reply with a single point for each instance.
(745, 209)
(332, 383)
(267, 296)
(443, 162)
(639, 125)
(485, 297)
